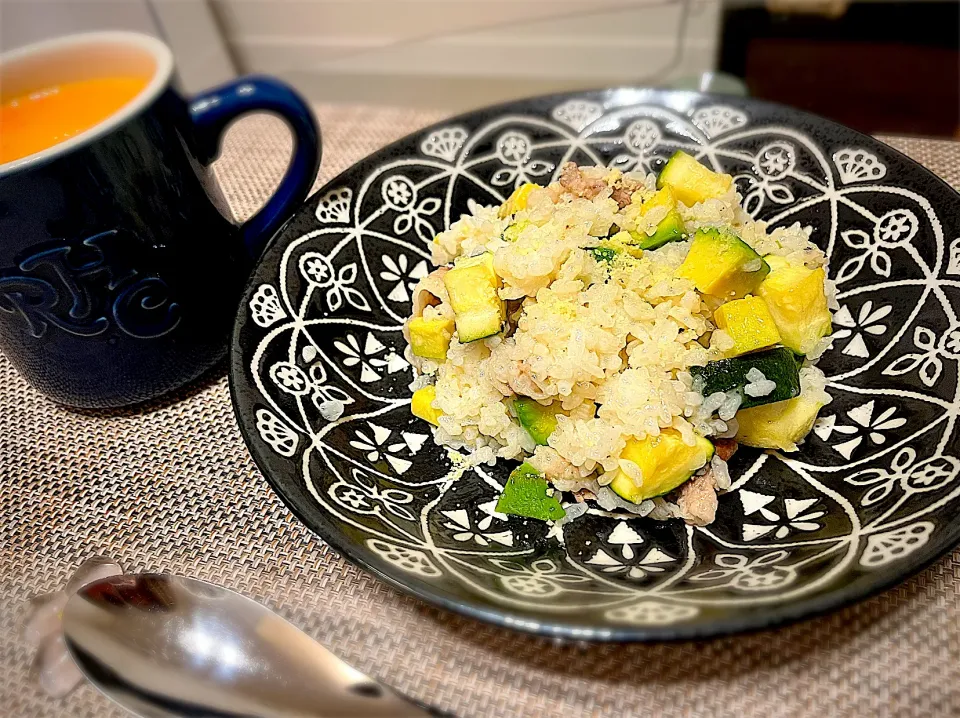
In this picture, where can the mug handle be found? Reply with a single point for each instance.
(215, 109)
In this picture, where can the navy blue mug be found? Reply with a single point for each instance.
(120, 272)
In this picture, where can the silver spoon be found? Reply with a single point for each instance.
(163, 646)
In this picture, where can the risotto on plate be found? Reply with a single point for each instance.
(619, 335)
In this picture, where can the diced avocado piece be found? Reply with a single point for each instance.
(779, 365)
(690, 181)
(518, 200)
(603, 254)
(537, 419)
(665, 462)
(421, 405)
(472, 285)
(430, 338)
(526, 495)
(669, 229)
(722, 264)
(512, 232)
(797, 301)
(777, 426)
(749, 324)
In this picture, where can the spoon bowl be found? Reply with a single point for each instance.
(165, 646)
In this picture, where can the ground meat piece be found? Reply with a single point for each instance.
(573, 180)
(698, 499)
(513, 316)
(725, 448)
(621, 197)
(623, 191)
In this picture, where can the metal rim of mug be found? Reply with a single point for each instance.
(161, 54)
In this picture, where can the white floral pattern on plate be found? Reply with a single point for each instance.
(865, 491)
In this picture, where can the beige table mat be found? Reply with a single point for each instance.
(173, 489)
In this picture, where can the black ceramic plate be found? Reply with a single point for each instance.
(872, 497)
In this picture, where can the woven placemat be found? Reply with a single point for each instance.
(172, 488)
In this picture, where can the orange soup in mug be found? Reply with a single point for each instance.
(47, 116)
(120, 274)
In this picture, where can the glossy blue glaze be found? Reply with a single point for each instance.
(119, 276)
(213, 111)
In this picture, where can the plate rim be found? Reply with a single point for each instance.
(775, 616)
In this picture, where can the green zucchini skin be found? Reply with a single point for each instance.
(779, 365)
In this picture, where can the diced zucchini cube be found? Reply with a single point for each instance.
(663, 197)
(421, 405)
(690, 181)
(722, 264)
(779, 365)
(749, 324)
(669, 229)
(777, 426)
(518, 200)
(472, 285)
(664, 461)
(430, 338)
(478, 324)
(512, 232)
(797, 302)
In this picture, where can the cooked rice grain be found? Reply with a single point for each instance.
(612, 342)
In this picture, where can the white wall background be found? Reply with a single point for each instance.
(421, 52)
(188, 26)
(25, 21)
(450, 54)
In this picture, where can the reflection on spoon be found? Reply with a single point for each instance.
(164, 646)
